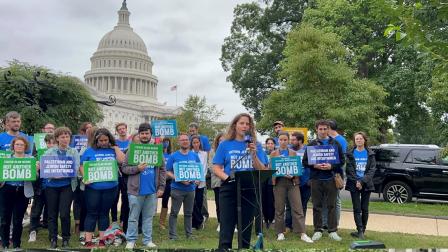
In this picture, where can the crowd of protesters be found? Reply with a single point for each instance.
(138, 186)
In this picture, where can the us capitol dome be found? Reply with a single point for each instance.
(122, 67)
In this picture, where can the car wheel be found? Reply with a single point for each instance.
(397, 192)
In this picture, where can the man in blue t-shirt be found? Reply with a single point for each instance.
(13, 123)
(145, 184)
(278, 127)
(182, 192)
(123, 140)
(193, 129)
(333, 133)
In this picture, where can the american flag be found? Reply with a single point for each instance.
(173, 88)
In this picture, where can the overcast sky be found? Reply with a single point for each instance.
(183, 38)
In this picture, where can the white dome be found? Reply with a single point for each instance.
(122, 37)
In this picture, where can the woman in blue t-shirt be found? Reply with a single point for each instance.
(99, 196)
(233, 155)
(14, 197)
(287, 189)
(360, 169)
(166, 194)
(59, 190)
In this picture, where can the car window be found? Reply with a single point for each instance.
(422, 157)
(387, 155)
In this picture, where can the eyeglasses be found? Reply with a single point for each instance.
(19, 144)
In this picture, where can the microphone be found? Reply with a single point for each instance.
(247, 139)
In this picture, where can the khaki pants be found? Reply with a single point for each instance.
(284, 189)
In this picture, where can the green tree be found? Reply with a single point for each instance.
(254, 48)
(56, 98)
(320, 84)
(197, 110)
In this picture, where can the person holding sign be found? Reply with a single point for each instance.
(39, 199)
(235, 154)
(183, 187)
(324, 157)
(15, 193)
(361, 166)
(59, 171)
(102, 185)
(286, 187)
(145, 183)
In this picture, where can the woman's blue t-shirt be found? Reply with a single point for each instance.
(361, 162)
(177, 157)
(97, 155)
(230, 151)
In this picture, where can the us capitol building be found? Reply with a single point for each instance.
(121, 67)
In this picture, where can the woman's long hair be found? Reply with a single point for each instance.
(191, 142)
(231, 130)
(103, 132)
(168, 148)
(216, 141)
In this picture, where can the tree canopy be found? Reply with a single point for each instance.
(41, 96)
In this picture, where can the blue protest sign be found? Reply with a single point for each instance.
(188, 171)
(166, 128)
(57, 167)
(287, 166)
(321, 154)
(78, 142)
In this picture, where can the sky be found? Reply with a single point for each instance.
(183, 38)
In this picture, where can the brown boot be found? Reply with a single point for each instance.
(162, 220)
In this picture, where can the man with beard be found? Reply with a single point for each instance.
(13, 123)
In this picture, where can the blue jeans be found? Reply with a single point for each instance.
(147, 206)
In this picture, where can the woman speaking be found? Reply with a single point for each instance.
(236, 154)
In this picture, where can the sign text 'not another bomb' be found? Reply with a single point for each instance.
(100, 171)
(287, 166)
(188, 171)
(151, 154)
(17, 169)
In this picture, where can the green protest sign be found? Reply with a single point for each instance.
(17, 169)
(40, 153)
(100, 171)
(151, 154)
(39, 141)
(5, 154)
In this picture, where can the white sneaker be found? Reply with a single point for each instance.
(150, 245)
(316, 236)
(130, 245)
(218, 228)
(236, 230)
(335, 236)
(33, 235)
(280, 237)
(306, 238)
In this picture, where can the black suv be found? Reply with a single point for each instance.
(405, 171)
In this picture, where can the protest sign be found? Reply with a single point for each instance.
(321, 154)
(17, 169)
(188, 171)
(166, 128)
(287, 166)
(100, 171)
(5, 154)
(151, 154)
(57, 167)
(78, 142)
(39, 141)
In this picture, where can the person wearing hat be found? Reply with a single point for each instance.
(145, 184)
(278, 127)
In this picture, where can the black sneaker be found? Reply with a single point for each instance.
(54, 244)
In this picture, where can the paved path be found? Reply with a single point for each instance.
(377, 222)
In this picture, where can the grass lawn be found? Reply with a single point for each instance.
(412, 208)
(208, 239)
